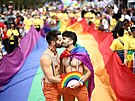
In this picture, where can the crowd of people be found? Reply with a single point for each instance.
(14, 25)
(121, 23)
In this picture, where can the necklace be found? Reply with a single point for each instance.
(54, 51)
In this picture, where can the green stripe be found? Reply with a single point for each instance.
(36, 93)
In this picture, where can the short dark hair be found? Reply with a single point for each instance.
(121, 32)
(71, 35)
(12, 23)
(126, 21)
(52, 36)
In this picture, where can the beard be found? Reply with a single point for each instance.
(58, 45)
(65, 44)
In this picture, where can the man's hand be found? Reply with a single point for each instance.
(76, 85)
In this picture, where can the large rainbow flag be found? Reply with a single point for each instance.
(113, 80)
(20, 72)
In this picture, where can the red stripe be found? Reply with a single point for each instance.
(121, 78)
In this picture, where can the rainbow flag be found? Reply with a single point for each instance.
(20, 72)
(20, 75)
(113, 80)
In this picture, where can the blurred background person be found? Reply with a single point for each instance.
(129, 49)
(13, 35)
(118, 44)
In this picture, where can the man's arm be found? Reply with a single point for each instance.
(87, 75)
(84, 78)
(125, 54)
(126, 46)
(45, 63)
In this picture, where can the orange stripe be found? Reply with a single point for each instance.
(102, 91)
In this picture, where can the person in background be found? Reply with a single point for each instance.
(1, 53)
(129, 49)
(125, 15)
(118, 44)
(27, 23)
(38, 23)
(113, 21)
(5, 37)
(19, 24)
(121, 24)
(105, 22)
(97, 20)
(133, 18)
(13, 36)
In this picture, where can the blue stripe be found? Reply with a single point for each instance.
(19, 87)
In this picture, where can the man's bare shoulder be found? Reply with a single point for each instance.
(45, 56)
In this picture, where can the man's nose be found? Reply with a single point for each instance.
(61, 40)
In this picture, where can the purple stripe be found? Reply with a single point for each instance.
(81, 54)
(12, 63)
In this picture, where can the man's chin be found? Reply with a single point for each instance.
(65, 46)
(59, 46)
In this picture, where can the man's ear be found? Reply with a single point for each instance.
(53, 42)
(71, 41)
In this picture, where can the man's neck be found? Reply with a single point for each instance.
(70, 48)
(52, 48)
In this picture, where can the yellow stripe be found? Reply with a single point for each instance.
(102, 90)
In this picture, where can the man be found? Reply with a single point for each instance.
(38, 23)
(121, 24)
(129, 49)
(50, 64)
(76, 58)
(27, 23)
(118, 44)
(13, 36)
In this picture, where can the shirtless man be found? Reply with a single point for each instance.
(50, 64)
(76, 58)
